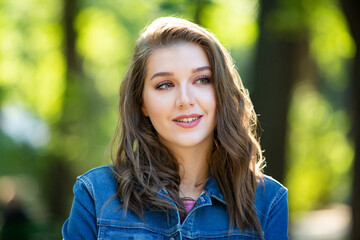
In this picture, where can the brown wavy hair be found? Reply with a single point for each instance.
(143, 165)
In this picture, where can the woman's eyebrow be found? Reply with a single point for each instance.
(201, 69)
(161, 74)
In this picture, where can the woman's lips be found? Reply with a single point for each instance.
(187, 121)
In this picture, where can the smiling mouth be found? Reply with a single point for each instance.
(187, 120)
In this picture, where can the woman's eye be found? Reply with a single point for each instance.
(203, 80)
(164, 85)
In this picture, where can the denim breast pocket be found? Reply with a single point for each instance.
(129, 233)
(211, 235)
(233, 237)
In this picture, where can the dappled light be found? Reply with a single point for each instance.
(320, 155)
(233, 22)
(331, 44)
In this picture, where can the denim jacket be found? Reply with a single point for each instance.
(94, 216)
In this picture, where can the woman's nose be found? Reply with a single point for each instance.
(185, 97)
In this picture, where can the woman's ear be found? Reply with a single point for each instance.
(144, 111)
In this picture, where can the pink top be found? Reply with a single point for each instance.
(188, 205)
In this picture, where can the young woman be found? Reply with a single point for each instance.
(187, 163)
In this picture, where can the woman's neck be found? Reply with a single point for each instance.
(193, 169)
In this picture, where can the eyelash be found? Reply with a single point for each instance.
(161, 85)
(203, 78)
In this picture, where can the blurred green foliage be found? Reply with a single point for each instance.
(34, 81)
(331, 44)
(319, 153)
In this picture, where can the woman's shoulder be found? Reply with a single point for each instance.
(270, 189)
(272, 208)
(270, 194)
(99, 182)
(99, 173)
(268, 183)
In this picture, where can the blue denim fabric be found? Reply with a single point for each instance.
(93, 216)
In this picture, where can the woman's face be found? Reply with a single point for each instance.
(179, 96)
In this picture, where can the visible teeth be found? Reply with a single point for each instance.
(187, 120)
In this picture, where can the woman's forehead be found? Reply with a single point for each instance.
(187, 55)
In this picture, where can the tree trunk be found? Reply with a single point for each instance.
(58, 176)
(276, 71)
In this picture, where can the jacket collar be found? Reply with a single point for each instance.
(212, 189)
